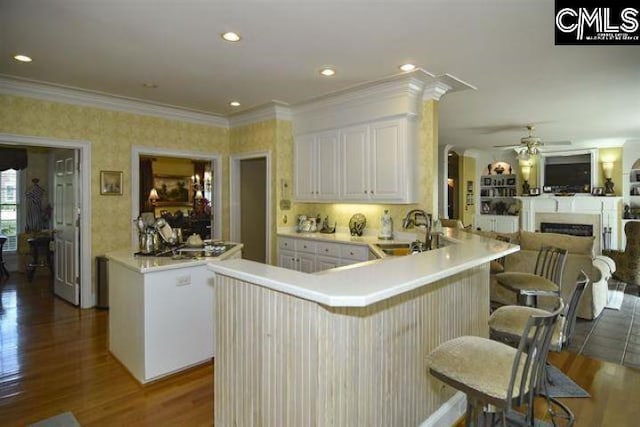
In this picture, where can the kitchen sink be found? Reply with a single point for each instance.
(400, 249)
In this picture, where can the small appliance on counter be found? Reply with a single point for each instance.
(357, 223)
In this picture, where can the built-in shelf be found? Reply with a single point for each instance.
(497, 194)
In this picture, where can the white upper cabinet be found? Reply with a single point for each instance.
(316, 167)
(354, 148)
(374, 163)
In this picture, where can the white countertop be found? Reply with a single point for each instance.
(147, 264)
(366, 283)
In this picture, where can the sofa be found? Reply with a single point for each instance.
(580, 257)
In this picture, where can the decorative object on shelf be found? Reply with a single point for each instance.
(499, 169)
(597, 191)
(525, 170)
(535, 191)
(357, 223)
(325, 226)
(386, 226)
(111, 183)
(607, 169)
(489, 169)
(510, 170)
(627, 212)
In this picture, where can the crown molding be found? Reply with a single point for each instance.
(274, 110)
(85, 98)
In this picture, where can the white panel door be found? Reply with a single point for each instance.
(66, 225)
(306, 262)
(327, 166)
(304, 184)
(354, 147)
(386, 153)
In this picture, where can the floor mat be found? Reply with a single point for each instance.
(563, 386)
(66, 419)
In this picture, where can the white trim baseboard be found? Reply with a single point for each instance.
(449, 413)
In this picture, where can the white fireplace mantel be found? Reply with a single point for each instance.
(574, 210)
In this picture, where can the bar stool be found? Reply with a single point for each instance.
(546, 280)
(495, 375)
(3, 267)
(41, 255)
(507, 323)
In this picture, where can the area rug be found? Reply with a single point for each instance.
(66, 419)
(563, 386)
(615, 295)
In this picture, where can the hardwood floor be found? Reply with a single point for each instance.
(54, 358)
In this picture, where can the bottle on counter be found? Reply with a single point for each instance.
(386, 226)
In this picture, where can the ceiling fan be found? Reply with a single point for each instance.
(530, 145)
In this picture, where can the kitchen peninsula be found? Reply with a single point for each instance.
(346, 346)
(161, 312)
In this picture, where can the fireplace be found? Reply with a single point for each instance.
(564, 228)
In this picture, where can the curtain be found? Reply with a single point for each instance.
(13, 158)
(198, 169)
(146, 184)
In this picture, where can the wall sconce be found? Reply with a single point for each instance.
(153, 196)
(607, 169)
(525, 170)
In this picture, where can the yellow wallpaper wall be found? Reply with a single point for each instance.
(111, 135)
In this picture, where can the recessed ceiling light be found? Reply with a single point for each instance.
(149, 85)
(230, 36)
(407, 67)
(23, 58)
(234, 103)
(328, 72)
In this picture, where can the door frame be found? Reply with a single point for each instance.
(87, 297)
(234, 196)
(216, 164)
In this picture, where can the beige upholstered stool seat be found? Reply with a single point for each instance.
(510, 320)
(476, 364)
(518, 281)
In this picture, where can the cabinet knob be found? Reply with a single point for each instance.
(371, 191)
(350, 253)
(305, 246)
(365, 191)
(326, 249)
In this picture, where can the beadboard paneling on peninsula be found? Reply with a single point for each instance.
(282, 360)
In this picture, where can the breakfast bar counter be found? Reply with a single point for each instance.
(346, 347)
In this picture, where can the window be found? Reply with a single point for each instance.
(9, 201)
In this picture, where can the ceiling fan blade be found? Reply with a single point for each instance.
(557, 143)
(507, 146)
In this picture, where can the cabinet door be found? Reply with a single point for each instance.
(326, 263)
(306, 262)
(327, 166)
(507, 224)
(386, 157)
(354, 149)
(304, 178)
(484, 222)
(287, 259)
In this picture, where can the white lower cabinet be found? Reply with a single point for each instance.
(310, 256)
(497, 223)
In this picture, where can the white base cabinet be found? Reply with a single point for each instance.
(497, 223)
(310, 256)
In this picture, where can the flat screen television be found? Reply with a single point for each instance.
(568, 174)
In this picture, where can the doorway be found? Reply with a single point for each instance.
(453, 185)
(76, 268)
(250, 201)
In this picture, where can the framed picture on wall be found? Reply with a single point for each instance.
(111, 183)
(173, 190)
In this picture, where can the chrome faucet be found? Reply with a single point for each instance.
(419, 218)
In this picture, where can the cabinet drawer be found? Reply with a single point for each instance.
(306, 246)
(329, 249)
(286, 243)
(355, 252)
